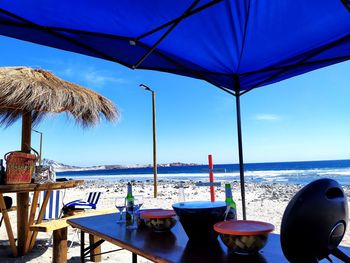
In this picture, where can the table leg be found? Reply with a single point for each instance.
(93, 257)
(8, 226)
(82, 248)
(59, 250)
(22, 221)
(134, 257)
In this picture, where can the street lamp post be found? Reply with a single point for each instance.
(154, 138)
(41, 145)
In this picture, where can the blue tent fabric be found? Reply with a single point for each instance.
(236, 45)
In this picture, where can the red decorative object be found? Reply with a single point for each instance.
(211, 178)
(19, 167)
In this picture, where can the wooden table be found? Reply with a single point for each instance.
(173, 246)
(25, 237)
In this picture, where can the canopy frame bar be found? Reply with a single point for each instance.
(52, 30)
(244, 35)
(295, 66)
(155, 45)
(59, 35)
(346, 3)
(184, 16)
(300, 63)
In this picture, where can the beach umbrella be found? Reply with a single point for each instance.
(236, 45)
(32, 93)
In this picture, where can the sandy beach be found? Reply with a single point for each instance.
(264, 203)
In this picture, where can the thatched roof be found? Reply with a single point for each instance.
(24, 89)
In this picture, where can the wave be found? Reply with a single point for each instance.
(286, 174)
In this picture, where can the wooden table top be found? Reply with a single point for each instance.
(174, 246)
(18, 188)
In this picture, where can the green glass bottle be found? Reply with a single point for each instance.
(129, 206)
(232, 213)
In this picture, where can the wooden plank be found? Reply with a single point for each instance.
(59, 250)
(31, 220)
(40, 218)
(93, 257)
(22, 221)
(62, 222)
(16, 188)
(59, 185)
(13, 208)
(8, 226)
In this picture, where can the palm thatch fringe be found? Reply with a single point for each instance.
(38, 91)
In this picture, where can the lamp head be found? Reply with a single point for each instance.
(143, 86)
(37, 131)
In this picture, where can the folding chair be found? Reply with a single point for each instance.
(90, 202)
(54, 206)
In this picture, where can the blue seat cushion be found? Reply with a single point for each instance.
(79, 204)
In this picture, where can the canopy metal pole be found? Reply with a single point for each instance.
(240, 153)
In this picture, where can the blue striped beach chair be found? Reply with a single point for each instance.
(54, 206)
(90, 202)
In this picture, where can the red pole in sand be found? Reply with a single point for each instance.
(211, 178)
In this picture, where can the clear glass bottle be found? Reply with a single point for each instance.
(181, 193)
(232, 212)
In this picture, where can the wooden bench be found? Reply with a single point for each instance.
(59, 228)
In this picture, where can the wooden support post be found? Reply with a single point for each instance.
(23, 198)
(26, 132)
(22, 221)
(93, 239)
(59, 250)
(8, 226)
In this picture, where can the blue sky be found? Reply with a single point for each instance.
(303, 118)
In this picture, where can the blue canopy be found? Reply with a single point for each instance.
(237, 45)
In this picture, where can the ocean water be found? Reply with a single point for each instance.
(282, 172)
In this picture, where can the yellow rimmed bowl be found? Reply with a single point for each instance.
(159, 220)
(244, 236)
